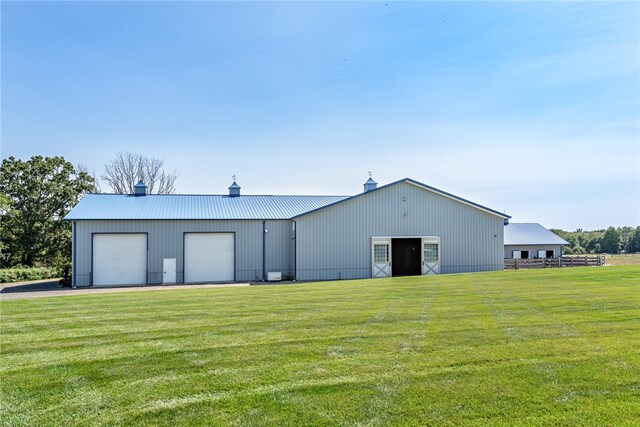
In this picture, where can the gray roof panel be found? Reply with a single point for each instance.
(178, 206)
(530, 234)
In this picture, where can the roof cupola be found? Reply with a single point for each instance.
(234, 189)
(370, 184)
(140, 189)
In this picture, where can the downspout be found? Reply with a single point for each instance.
(295, 250)
(73, 254)
(264, 249)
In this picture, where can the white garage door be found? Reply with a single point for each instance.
(119, 259)
(208, 257)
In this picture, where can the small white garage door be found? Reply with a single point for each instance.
(208, 257)
(119, 259)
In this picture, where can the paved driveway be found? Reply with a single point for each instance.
(49, 288)
(33, 286)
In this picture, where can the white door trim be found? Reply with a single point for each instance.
(429, 268)
(385, 269)
(380, 269)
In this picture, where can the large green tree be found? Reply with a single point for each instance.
(37, 194)
(634, 241)
(611, 241)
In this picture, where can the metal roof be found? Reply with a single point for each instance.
(178, 206)
(530, 234)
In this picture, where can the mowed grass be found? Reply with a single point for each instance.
(536, 347)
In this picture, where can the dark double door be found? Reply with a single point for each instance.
(406, 258)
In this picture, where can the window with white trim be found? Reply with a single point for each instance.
(381, 253)
(430, 252)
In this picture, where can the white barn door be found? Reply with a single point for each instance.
(119, 259)
(169, 270)
(430, 255)
(381, 257)
(209, 257)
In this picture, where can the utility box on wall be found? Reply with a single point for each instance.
(274, 276)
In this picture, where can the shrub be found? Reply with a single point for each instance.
(19, 274)
(567, 250)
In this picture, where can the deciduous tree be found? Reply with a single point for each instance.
(123, 172)
(37, 194)
(634, 241)
(611, 241)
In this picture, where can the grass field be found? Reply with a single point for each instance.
(537, 347)
(618, 259)
(623, 259)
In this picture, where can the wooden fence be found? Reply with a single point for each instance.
(566, 261)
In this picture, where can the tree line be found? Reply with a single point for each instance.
(36, 194)
(613, 240)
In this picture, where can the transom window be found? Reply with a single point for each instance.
(430, 252)
(381, 253)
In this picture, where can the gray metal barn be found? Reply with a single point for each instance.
(403, 228)
(531, 240)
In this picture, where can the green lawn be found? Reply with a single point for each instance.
(536, 347)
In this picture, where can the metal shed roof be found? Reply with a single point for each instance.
(530, 234)
(178, 206)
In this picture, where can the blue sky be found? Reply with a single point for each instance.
(528, 108)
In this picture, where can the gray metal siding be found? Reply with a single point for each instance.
(335, 242)
(278, 248)
(533, 249)
(165, 240)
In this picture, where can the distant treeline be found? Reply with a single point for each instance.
(613, 240)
